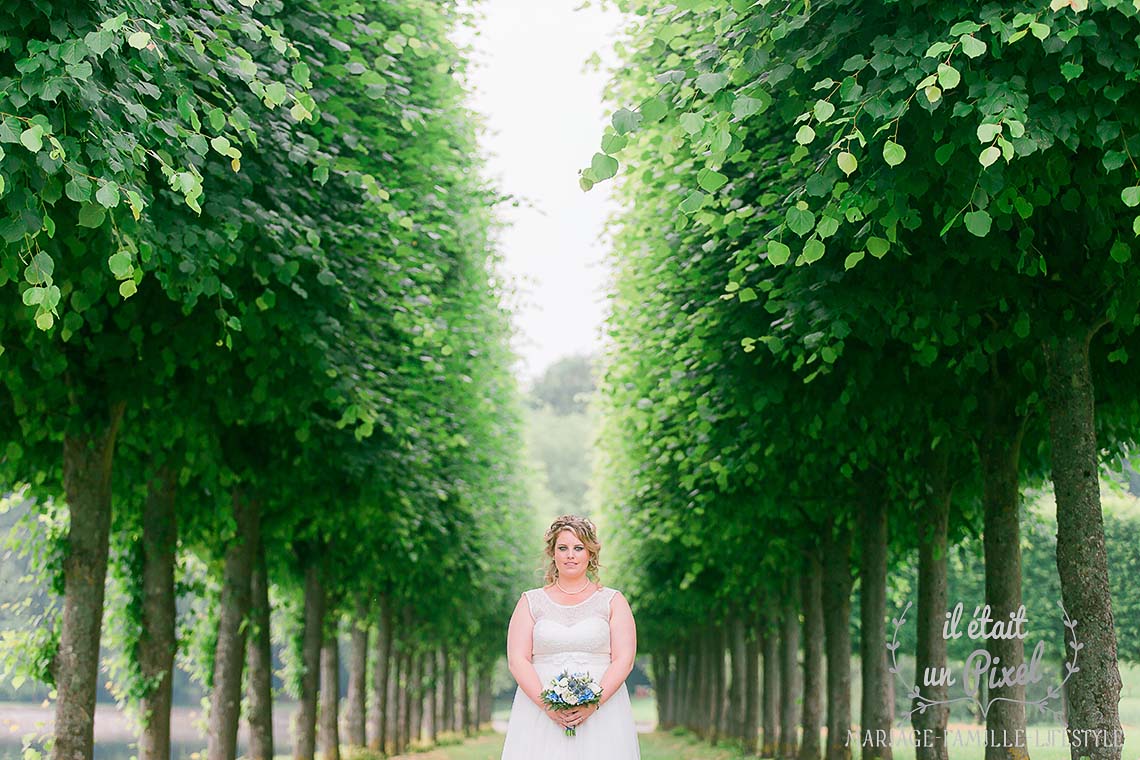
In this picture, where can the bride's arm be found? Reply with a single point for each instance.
(519, 645)
(623, 646)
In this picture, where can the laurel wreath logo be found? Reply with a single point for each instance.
(922, 703)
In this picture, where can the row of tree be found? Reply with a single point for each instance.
(251, 293)
(892, 289)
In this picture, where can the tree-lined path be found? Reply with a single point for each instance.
(873, 280)
(255, 369)
(871, 285)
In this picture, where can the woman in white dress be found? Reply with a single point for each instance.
(575, 624)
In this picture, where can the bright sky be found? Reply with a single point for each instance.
(544, 115)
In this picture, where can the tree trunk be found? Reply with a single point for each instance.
(770, 645)
(405, 695)
(381, 674)
(875, 721)
(703, 683)
(661, 671)
(487, 698)
(465, 692)
(416, 698)
(933, 585)
(837, 633)
(430, 713)
(789, 678)
(329, 733)
(229, 652)
(357, 703)
(716, 657)
(1082, 561)
(158, 641)
(671, 688)
(811, 589)
(87, 462)
(751, 726)
(738, 692)
(396, 704)
(305, 720)
(259, 657)
(999, 450)
(449, 711)
(682, 695)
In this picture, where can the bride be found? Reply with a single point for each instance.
(576, 624)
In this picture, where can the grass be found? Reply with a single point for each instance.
(655, 746)
(681, 745)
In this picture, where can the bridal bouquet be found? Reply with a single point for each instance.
(570, 690)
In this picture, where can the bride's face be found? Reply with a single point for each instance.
(570, 556)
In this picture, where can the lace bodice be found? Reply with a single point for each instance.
(576, 628)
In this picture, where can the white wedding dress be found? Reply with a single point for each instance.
(574, 637)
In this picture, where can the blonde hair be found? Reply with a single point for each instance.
(586, 533)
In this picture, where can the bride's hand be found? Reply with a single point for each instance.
(561, 717)
(578, 715)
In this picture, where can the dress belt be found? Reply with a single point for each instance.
(571, 659)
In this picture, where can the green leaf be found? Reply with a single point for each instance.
(1021, 325)
(32, 138)
(847, 163)
(626, 121)
(778, 253)
(987, 132)
(276, 93)
(746, 295)
(33, 296)
(91, 215)
(711, 180)
(301, 74)
(878, 247)
(745, 106)
(965, 27)
(604, 166)
(217, 119)
(1071, 70)
(108, 195)
(692, 122)
(39, 269)
(128, 288)
(978, 222)
(139, 40)
(99, 42)
(800, 219)
(120, 265)
(893, 153)
(1120, 252)
(711, 83)
(1131, 196)
(326, 278)
(948, 76)
(813, 251)
(693, 202)
(828, 226)
(988, 156)
(823, 110)
(933, 93)
(805, 134)
(653, 109)
(612, 143)
(853, 259)
(44, 320)
(972, 46)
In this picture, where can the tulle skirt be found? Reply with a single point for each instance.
(609, 734)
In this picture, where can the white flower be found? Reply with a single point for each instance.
(572, 699)
(595, 687)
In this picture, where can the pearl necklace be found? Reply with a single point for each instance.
(572, 593)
